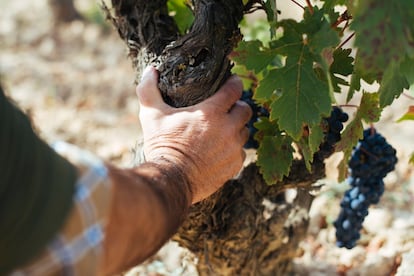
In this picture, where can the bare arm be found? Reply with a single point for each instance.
(190, 153)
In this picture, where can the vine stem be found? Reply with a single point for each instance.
(343, 17)
(309, 6)
(408, 96)
(344, 28)
(337, 22)
(252, 77)
(349, 105)
(298, 4)
(367, 152)
(372, 129)
(346, 40)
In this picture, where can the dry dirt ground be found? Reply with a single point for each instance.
(77, 84)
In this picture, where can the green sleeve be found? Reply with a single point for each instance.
(36, 189)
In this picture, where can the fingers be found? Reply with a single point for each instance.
(243, 153)
(239, 164)
(244, 135)
(147, 91)
(228, 94)
(241, 113)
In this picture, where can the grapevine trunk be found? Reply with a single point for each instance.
(247, 227)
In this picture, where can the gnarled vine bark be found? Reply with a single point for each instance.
(192, 66)
(234, 232)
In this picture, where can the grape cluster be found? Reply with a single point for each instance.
(332, 126)
(258, 111)
(372, 159)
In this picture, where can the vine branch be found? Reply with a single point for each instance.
(342, 18)
(298, 4)
(346, 40)
(309, 6)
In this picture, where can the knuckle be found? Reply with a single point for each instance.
(212, 111)
(235, 90)
(245, 107)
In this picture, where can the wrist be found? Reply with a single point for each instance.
(149, 203)
(170, 172)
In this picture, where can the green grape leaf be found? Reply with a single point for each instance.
(312, 22)
(369, 111)
(306, 152)
(409, 115)
(407, 69)
(267, 87)
(412, 159)
(241, 70)
(342, 65)
(274, 157)
(328, 8)
(336, 81)
(322, 45)
(392, 84)
(309, 144)
(315, 138)
(380, 28)
(350, 135)
(354, 86)
(343, 166)
(299, 96)
(182, 14)
(304, 97)
(349, 138)
(407, 9)
(292, 36)
(266, 127)
(342, 62)
(325, 37)
(369, 108)
(253, 55)
(271, 14)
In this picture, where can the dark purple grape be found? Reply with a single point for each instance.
(372, 159)
(333, 125)
(258, 111)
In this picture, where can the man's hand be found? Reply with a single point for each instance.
(205, 140)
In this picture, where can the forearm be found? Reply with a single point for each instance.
(149, 203)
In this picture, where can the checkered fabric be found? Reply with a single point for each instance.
(77, 248)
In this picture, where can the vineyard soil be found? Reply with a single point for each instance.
(77, 84)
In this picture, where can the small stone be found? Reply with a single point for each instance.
(47, 47)
(377, 220)
(352, 257)
(407, 264)
(405, 220)
(378, 265)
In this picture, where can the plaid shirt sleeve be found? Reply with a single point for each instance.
(77, 248)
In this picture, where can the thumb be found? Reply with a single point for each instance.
(147, 90)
